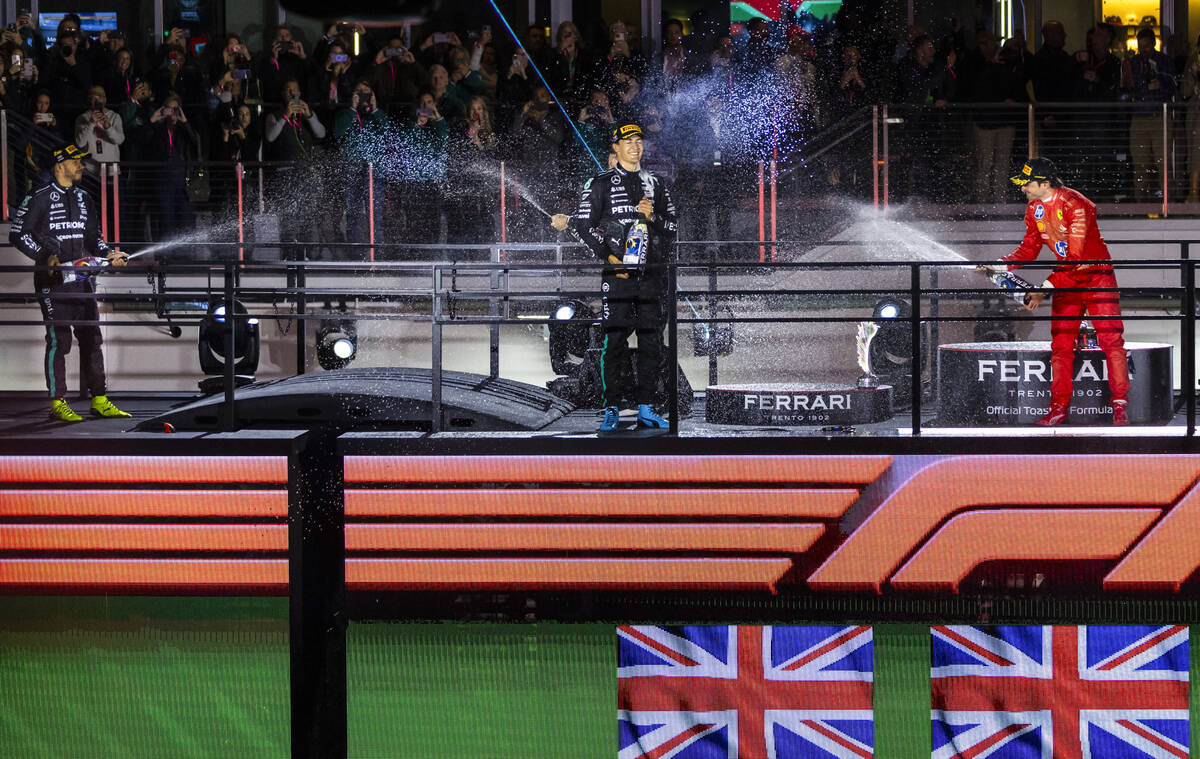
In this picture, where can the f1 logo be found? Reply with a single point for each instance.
(957, 513)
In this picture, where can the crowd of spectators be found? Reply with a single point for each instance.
(435, 113)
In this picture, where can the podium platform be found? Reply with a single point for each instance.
(797, 404)
(1008, 384)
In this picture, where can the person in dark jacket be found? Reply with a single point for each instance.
(1151, 78)
(292, 136)
(362, 131)
(170, 142)
(55, 226)
(627, 219)
(927, 86)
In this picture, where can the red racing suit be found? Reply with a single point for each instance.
(1066, 223)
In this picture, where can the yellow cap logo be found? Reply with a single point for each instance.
(625, 131)
(1027, 170)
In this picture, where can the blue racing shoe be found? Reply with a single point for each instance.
(612, 419)
(647, 418)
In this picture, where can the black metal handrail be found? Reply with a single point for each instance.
(444, 299)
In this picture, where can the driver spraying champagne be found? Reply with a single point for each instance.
(59, 228)
(627, 219)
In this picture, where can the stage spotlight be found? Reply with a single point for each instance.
(889, 308)
(885, 349)
(337, 343)
(211, 344)
(570, 334)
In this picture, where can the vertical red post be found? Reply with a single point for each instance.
(774, 177)
(371, 208)
(116, 204)
(762, 232)
(241, 212)
(104, 200)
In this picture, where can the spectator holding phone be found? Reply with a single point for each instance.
(424, 153)
(231, 75)
(99, 130)
(292, 135)
(42, 139)
(333, 85)
(514, 90)
(170, 142)
(536, 135)
(19, 82)
(30, 37)
(569, 66)
(397, 77)
(474, 155)
(179, 73)
(436, 48)
(595, 124)
(283, 61)
(362, 131)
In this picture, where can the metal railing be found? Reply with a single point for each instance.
(1130, 157)
(491, 286)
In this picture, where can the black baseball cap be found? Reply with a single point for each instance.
(625, 129)
(71, 152)
(1036, 169)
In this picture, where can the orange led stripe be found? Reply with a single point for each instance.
(815, 504)
(144, 469)
(565, 574)
(142, 537)
(144, 503)
(211, 576)
(747, 538)
(832, 470)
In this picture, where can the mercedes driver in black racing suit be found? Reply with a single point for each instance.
(626, 217)
(58, 224)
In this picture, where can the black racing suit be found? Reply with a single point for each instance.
(63, 222)
(638, 302)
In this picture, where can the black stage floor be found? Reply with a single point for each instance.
(23, 415)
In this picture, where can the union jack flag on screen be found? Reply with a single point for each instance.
(1043, 692)
(729, 692)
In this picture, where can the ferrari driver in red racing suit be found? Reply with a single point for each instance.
(1065, 221)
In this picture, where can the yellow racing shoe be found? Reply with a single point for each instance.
(61, 412)
(102, 406)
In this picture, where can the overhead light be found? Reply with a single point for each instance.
(211, 345)
(337, 343)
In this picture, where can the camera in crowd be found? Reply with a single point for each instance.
(241, 73)
(97, 105)
(394, 52)
(339, 57)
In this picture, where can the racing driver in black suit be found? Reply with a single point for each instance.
(626, 217)
(59, 224)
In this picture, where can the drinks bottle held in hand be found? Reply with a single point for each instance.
(636, 244)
